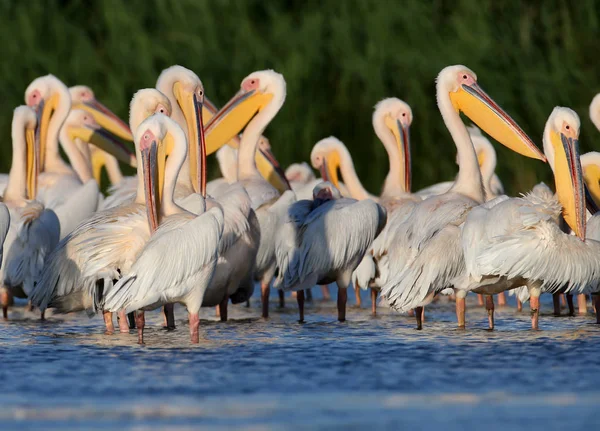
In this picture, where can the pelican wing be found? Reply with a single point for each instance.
(236, 205)
(38, 233)
(435, 189)
(120, 194)
(78, 207)
(191, 246)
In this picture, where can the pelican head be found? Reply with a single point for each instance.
(326, 157)
(561, 145)
(466, 96)
(83, 98)
(595, 111)
(146, 102)
(261, 92)
(153, 136)
(45, 94)
(299, 172)
(324, 192)
(24, 123)
(397, 117)
(189, 96)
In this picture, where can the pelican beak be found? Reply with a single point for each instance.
(98, 162)
(271, 170)
(591, 176)
(150, 171)
(402, 134)
(233, 117)
(32, 165)
(192, 108)
(329, 168)
(483, 111)
(45, 110)
(568, 176)
(105, 141)
(106, 118)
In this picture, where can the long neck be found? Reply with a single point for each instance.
(353, 184)
(394, 182)
(468, 182)
(115, 176)
(174, 169)
(487, 169)
(249, 142)
(79, 163)
(16, 188)
(227, 158)
(54, 163)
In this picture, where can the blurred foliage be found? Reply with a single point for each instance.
(338, 57)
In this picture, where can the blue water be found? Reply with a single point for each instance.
(65, 374)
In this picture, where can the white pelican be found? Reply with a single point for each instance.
(33, 231)
(191, 241)
(486, 156)
(518, 241)
(261, 96)
(84, 265)
(59, 186)
(321, 241)
(427, 255)
(299, 175)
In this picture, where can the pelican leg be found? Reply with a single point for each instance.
(265, 290)
(489, 306)
(597, 306)
(217, 311)
(281, 294)
(342, 299)
(419, 316)
(223, 308)
(300, 299)
(357, 296)
(140, 322)
(325, 292)
(534, 303)
(556, 303)
(501, 299)
(6, 299)
(248, 303)
(108, 322)
(131, 318)
(374, 302)
(308, 294)
(582, 303)
(123, 323)
(461, 306)
(480, 299)
(169, 310)
(194, 319)
(570, 304)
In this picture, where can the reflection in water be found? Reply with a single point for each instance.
(254, 374)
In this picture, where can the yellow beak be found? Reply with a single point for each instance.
(153, 170)
(483, 111)
(591, 176)
(329, 168)
(32, 166)
(106, 118)
(45, 110)
(98, 162)
(568, 177)
(105, 141)
(402, 134)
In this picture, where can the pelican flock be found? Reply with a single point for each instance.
(165, 235)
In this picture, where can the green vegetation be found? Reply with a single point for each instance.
(338, 57)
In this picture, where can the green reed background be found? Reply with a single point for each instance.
(339, 57)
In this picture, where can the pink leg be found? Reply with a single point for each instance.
(460, 311)
(374, 302)
(325, 292)
(501, 299)
(6, 299)
(341, 303)
(300, 299)
(194, 319)
(265, 290)
(597, 306)
(357, 296)
(534, 303)
(140, 322)
(223, 308)
(489, 306)
(480, 299)
(108, 321)
(123, 323)
(582, 303)
(519, 305)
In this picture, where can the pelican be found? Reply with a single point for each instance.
(486, 157)
(427, 256)
(323, 240)
(60, 188)
(299, 175)
(261, 96)
(31, 231)
(85, 263)
(191, 241)
(518, 241)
